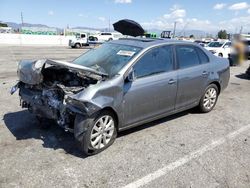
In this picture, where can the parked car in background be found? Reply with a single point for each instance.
(121, 84)
(107, 36)
(221, 49)
(79, 40)
(201, 43)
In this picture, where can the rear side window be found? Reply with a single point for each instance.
(187, 56)
(155, 61)
(203, 57)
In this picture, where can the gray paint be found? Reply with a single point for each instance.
(152, 97)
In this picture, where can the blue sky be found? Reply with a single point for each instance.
(209, 15)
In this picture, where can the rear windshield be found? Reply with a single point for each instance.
(108, 58)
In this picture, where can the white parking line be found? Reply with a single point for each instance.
(187, 158)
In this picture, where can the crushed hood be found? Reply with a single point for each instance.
(30, 71)
(73, 66)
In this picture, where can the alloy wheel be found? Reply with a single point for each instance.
(210, 98)
(102, 132)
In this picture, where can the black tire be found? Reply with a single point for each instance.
(77, 45)
(110, 39)
(202, 107)
(82, 131)
(220, 55)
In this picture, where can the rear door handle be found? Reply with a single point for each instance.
(171, 81)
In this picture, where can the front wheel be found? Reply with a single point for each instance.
(77, 45)
(97, 133)
(209, 98)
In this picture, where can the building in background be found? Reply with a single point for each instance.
(39, 30)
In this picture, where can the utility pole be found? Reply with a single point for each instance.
(241, 28)
(174, 29)
(109, 24)
(22, 18)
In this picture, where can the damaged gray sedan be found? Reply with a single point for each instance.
(120, 85)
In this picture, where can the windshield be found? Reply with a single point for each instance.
(78, 35)
(108, 58)
(215, 44)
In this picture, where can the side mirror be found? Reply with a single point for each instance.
(131, 76)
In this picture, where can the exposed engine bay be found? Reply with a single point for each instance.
(45, 87)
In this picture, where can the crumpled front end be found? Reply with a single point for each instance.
(46, 90)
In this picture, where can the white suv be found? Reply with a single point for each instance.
(222, 49)
(107, 36)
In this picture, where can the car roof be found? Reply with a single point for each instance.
(147, 42)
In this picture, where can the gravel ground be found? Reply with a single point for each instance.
(184, 150)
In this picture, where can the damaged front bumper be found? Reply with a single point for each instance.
(49, 89)
(48, 104)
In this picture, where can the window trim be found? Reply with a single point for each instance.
(142, 55)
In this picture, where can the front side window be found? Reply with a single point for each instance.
(157, 60)
(187, 56)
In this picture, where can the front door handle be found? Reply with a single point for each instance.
(171, 81)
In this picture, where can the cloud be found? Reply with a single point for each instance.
(51, 13)
(219, 6)
(236, 23)
(102, 18)
(178, 13)
(123, 1)
(184, 22)
(239, 6)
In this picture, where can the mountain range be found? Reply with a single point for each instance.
(197, 33)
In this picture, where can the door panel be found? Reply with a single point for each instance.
(192, 75)
(191, 84)
(149, 96)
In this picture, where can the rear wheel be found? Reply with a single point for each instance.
(209, 98)
(220, 55)
(96, 133)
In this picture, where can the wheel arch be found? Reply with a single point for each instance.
(217, 83)
(110, 109)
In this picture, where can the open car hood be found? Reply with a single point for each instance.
(73, 66)
(30, 72)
